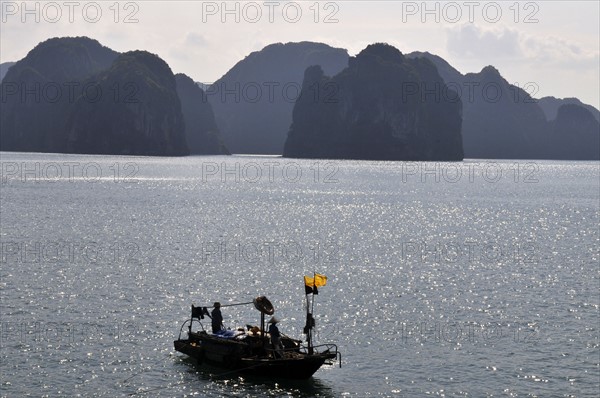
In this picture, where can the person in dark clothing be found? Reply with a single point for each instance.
(275, 337)
(217, 318)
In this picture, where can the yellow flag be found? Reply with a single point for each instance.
(320, 280)
(312, 283)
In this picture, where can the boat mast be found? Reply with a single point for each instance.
(310, 321)
(262, 329)
(308, 327)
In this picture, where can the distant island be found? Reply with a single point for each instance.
(364, 112)
(202, 133)
(550, 106)
(502, 121)
(512, 126)
(4, 68)
(73, 95)
(82, 97)
(253, 101)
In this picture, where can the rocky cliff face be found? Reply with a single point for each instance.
(74, 95)
(138, 112)
(39, 91)
(550, 106)
(502, 121)
(4, 68)
(573, 126)
(499, 120)
(375, 109)
(253, 101)
(201, 131)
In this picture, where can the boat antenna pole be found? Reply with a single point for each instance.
(262, 329)
(232, 305)
(307, 326)
(312, 311)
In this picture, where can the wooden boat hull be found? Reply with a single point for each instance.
(299, 369)
(236, 356)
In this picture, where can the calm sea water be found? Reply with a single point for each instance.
(449, 279)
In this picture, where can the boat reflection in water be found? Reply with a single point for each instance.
(250, 351)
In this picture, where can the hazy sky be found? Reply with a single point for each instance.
(553, 44)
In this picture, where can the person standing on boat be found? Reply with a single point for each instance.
(217, 318)
(275, 336)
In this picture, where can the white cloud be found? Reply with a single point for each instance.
(470, 41)
(560, 66)
(196, 40)
(558, 51)
(497, 44)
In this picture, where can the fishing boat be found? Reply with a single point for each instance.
(249, 350)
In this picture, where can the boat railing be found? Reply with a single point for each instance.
(191, 322)
(320, 349)
(326, 348)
